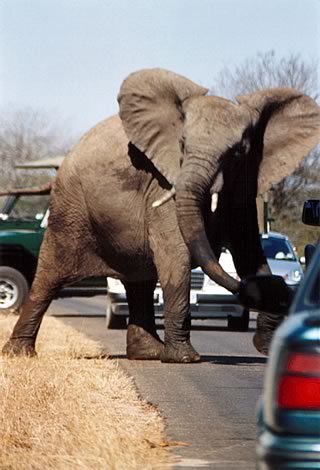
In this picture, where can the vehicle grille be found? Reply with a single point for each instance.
(197, 279)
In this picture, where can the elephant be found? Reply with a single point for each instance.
(132, 200)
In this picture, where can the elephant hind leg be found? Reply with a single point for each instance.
(23, 338)
(45, 287)
(143, 342)
(58, 265)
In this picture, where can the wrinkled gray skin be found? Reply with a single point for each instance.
(102, 221)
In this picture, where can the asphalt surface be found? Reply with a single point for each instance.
(209, 406)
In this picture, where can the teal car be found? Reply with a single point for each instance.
(289, 410)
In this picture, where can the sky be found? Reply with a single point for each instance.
(69, 57)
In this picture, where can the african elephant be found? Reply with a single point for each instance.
(132, 201)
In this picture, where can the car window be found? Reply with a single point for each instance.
(6, 203)
(29, 207)
(2, 202)
(277, 248)
(2, 207)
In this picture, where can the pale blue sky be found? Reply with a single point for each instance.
(70, 56)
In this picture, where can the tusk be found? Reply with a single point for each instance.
(214, 201)
(165, 198)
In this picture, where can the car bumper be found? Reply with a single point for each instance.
(276, 452)
(201, 306)
(215, 306)
(293, 287)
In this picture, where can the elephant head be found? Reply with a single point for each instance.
(204, 144)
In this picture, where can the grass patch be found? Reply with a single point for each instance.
(63, 411)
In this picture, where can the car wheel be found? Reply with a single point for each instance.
(239, 323)
(14, 289)
(114, 322)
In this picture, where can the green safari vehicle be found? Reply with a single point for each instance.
(23, 221)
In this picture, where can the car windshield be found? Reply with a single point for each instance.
(3, 200)
(26, 207)
(277, 248)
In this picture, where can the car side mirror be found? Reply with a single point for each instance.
(311, 212)
(265, 293)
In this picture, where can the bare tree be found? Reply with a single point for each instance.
(267, 71)
(27, 135)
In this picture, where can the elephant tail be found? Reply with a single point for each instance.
(41, 190)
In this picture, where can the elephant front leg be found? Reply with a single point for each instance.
(249, 259)
(143, 342)
(177, 320)
(172, 259)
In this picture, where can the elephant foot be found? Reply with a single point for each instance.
(261, 342)
(180, 352)
(266, 325)
(142, 345)
(19, 347)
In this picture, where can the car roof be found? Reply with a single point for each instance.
(274, 235)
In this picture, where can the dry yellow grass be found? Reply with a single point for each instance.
(71, 408)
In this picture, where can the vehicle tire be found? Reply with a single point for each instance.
(14, 289)
(239, 323)
(114, 322)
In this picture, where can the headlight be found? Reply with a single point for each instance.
(294, 276)
(115, 285)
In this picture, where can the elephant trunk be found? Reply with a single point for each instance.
(197, 177)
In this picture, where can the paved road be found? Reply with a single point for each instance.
(210, 406)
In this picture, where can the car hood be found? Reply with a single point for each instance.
(283, 267)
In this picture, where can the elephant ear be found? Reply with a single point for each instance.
(151, 109)
(292, 130)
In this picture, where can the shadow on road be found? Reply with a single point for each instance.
(234, 360)
(213, 359)
(218, 328)
(206, 326)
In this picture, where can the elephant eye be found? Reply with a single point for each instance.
(237, 150)
(242, 148)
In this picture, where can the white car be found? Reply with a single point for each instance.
(282, 258)
(207, 300)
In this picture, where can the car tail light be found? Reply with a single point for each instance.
(304, 363)
(299, 384)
